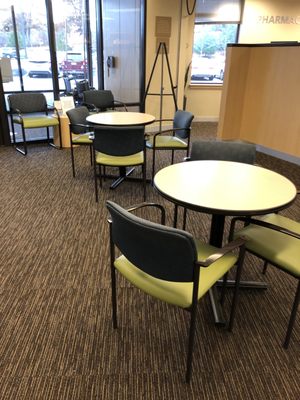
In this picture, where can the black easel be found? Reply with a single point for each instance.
(162, 49)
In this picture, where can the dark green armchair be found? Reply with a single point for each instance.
(30, 111)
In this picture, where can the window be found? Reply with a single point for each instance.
(216, 24)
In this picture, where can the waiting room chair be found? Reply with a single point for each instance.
(176, 138)
(223, 150)
(80, 131)
(101, 100)
(119, 147)
(168, 264)
(30, 111)
(275, 239)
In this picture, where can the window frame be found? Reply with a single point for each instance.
(208, 83)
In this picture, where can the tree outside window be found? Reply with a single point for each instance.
(209, 51)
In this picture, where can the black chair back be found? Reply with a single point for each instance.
(119, 141)
(182, 119)
(101, 99)
(27, 102)
(237, 151)
(78, 116)
(163, 252)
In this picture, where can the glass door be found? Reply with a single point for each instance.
(122, 50)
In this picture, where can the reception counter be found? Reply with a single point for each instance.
(261, 96)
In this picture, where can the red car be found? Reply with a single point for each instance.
(74, 65)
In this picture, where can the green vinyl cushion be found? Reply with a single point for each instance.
(120, 161)
(37, 121)
(178, 293)
(276, 247)
(164, 141)
(81, 139)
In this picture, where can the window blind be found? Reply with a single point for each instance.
(214, 11)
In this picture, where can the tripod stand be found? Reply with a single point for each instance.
(163, 50)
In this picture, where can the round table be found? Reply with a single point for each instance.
(120, 118)
(224, 188)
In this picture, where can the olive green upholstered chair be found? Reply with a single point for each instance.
(176, 138)
(80, 131)
(101, 100)
(275, 239)
(119, 147)
(30, 110)
(168, 264)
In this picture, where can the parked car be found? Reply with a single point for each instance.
(40, 69)
(207, 69)
(8, 52)
(74, 65)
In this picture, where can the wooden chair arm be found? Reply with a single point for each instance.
(238, 243)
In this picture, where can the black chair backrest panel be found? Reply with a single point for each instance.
(163, 252)
(119, 141)
(224, 151)
(78, 116)
(182, 119)
(102, 99)
(27, 102)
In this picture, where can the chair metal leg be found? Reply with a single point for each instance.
(153, 164)
(144, 181)
(292, 317)
(175, 216)
(265, 267)
(48, 135)
(91, 153)
(184, 218)
(24, 152)
(72, 160)
(223, 290)
(114, 298)
(95, 178)
(113, 282)
(236, 288)
(191, 344)
(172, 157)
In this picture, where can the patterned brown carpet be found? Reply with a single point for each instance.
(56, 335)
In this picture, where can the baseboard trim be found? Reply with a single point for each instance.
(206, 119)
(278, 154)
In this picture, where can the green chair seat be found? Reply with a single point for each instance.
(166, 141)
(81, 139)
(276, 247)
(178, 293)
(120, 161)
(36, 121)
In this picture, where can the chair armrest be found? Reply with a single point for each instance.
(119, 103)
(143, 205)
(156, 205)
(88, 127)
(264, 224)
(15, 111)
(91, 106)
(171, 130)
(238, 243)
